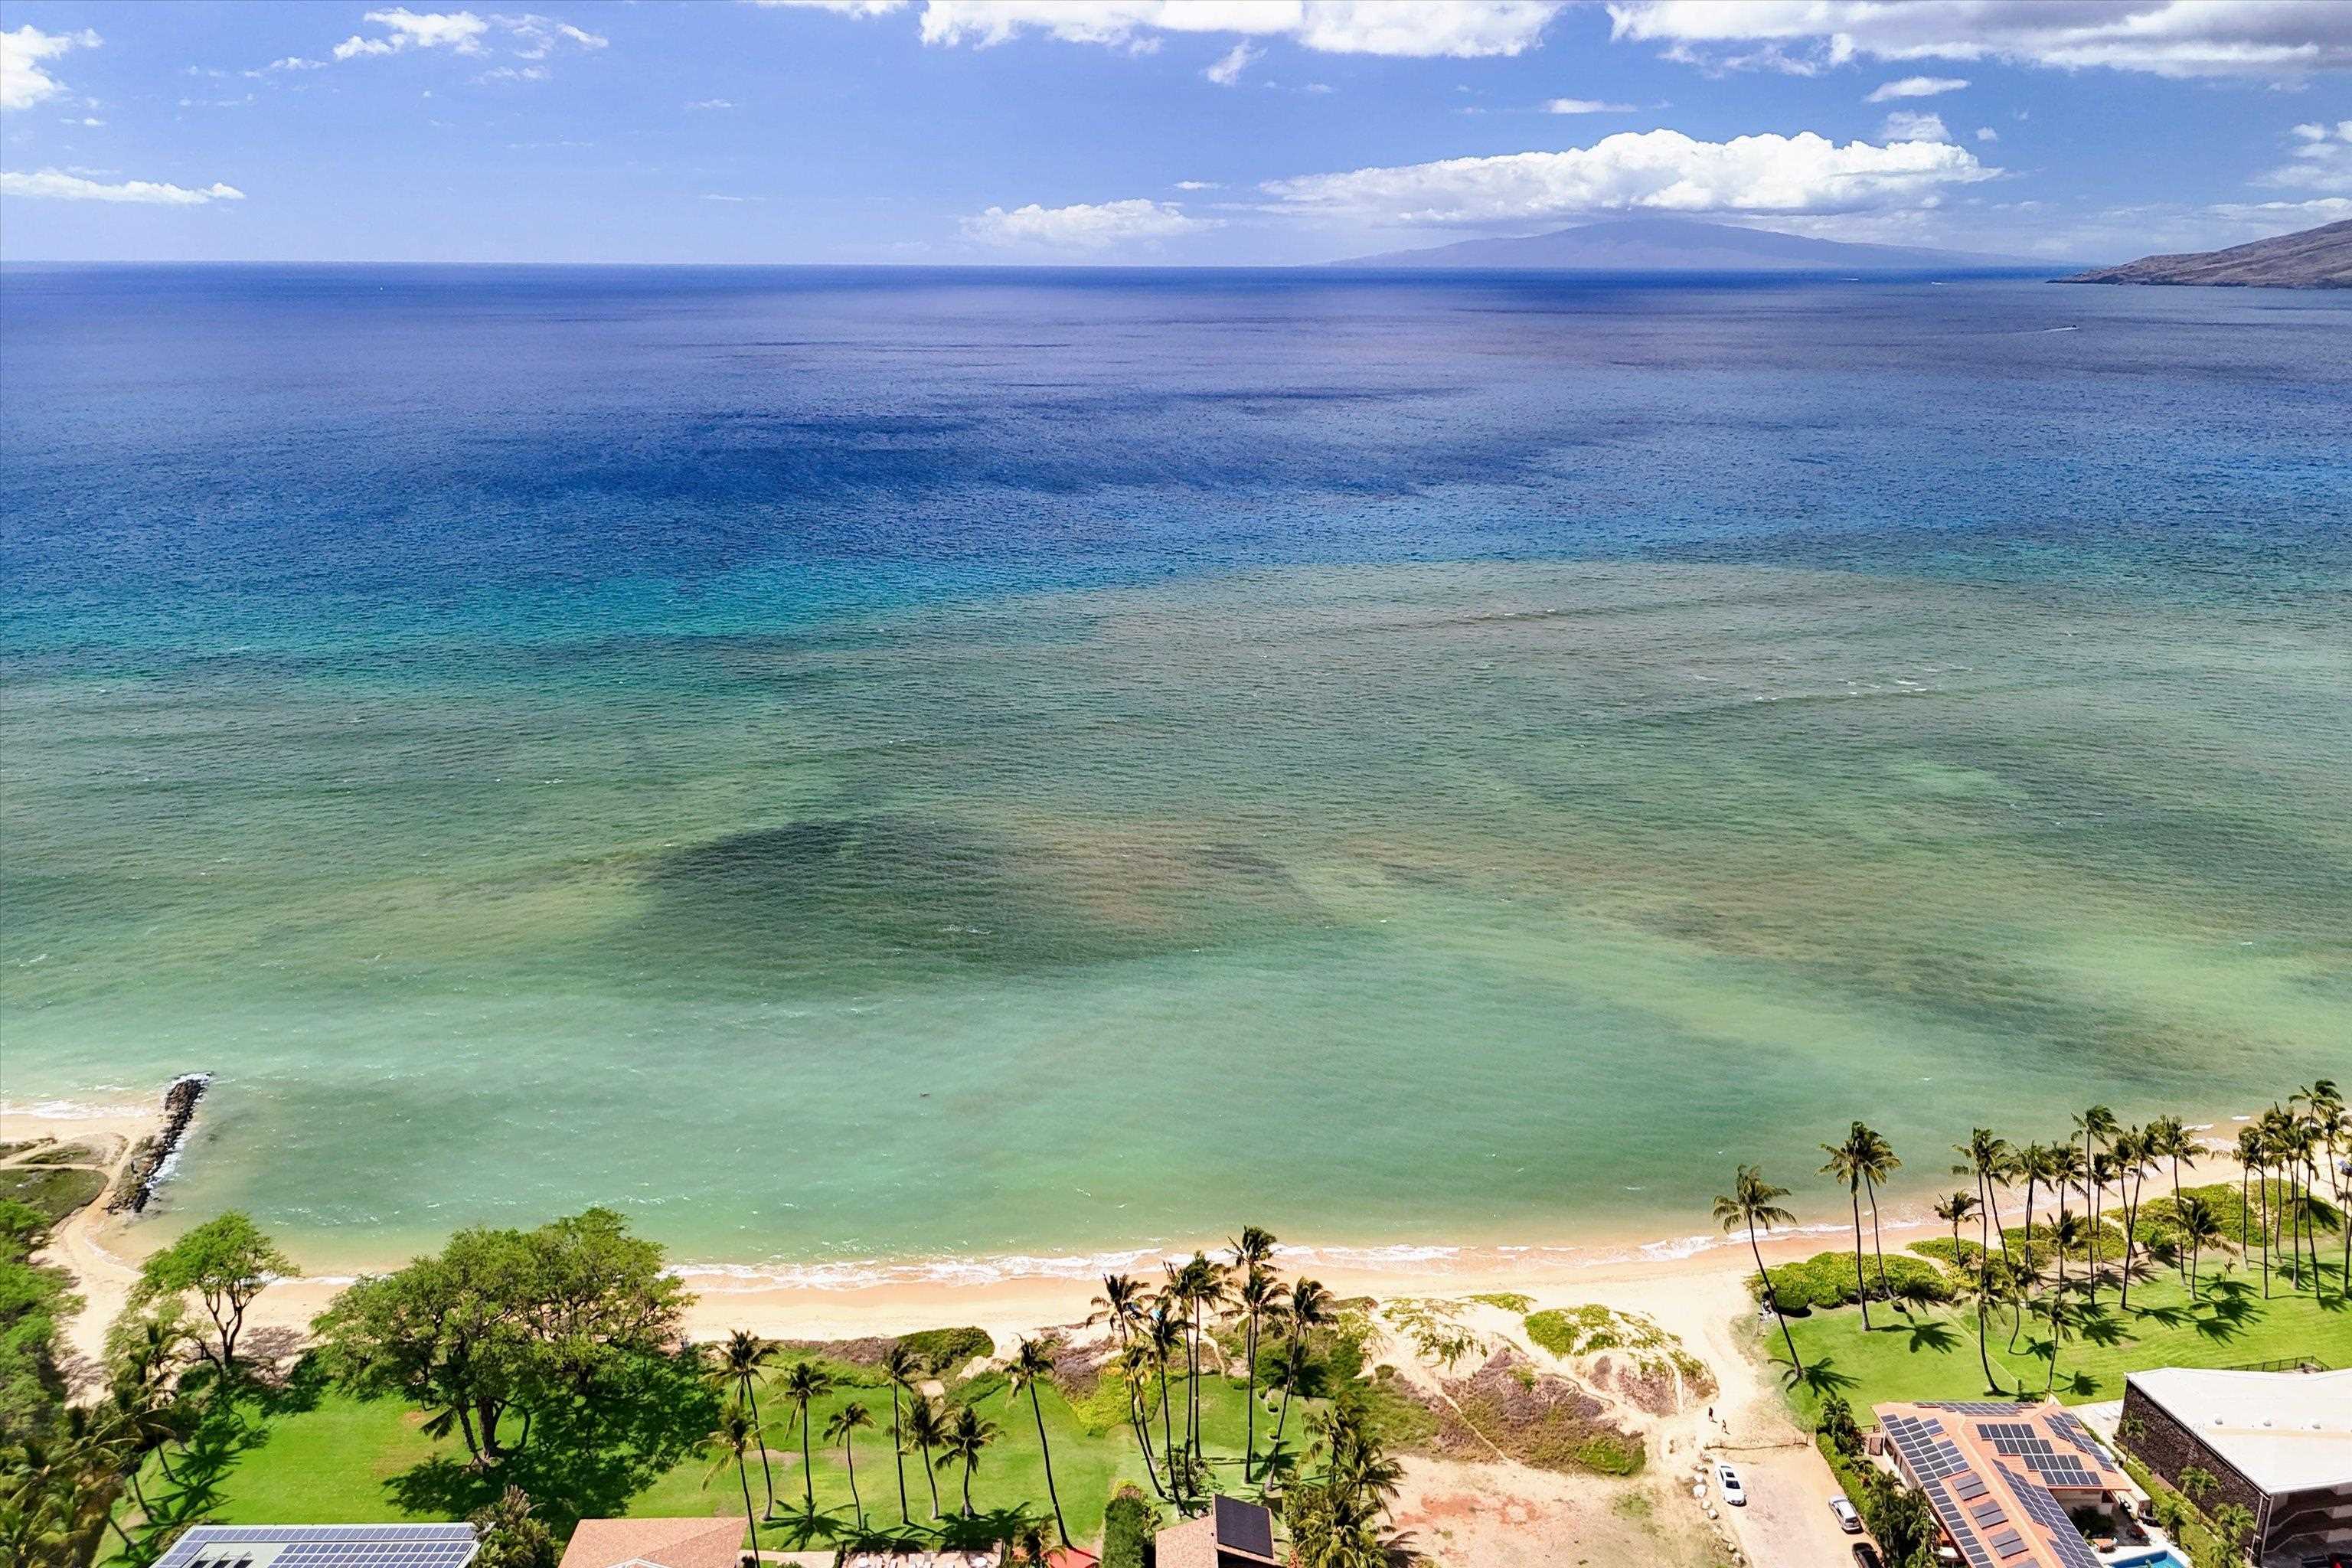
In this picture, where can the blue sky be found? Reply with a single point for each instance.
(1152, 130)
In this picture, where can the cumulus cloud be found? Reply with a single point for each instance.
(1916, 87)
(530, 36)
(1083, 226)
(58, 185)
(1652, 171)
(2258, 38)
(1418, 28)
(23, 82)
(1585, 106)
(1228, 69)
(1908, 125)
(1197, 185)
(1987, 134)
(711, 103)
(2319, 159)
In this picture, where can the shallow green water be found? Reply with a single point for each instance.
(1482, 904)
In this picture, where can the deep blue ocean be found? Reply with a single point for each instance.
(847, 760)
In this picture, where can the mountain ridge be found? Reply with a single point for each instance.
(1685, 245)
(2308, 258)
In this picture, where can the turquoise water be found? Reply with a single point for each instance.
(857, 778)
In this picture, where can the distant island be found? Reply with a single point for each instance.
(1682, 245)
(2314, 259)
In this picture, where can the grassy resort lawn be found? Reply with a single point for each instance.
(1932, 1353)
(317, 1455)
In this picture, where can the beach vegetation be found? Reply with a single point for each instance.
(1827, 1279)
(52, 1192)
(34, 1299)
(1129, 1522)
(513, 1535)
(945, 1349)
(224, 1263)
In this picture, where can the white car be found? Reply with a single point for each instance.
(1726, 1481)
(1848, 1521)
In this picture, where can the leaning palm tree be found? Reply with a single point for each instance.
(1032, 1365)
(1122, 1304)
(743, 1359)
(2097, 1124)
(2168, 1139)
(806, 1383)
(1309, 1309)
(1164, 1333)
(926, 1428)
(1986, 1157)
(1848, 1162)
(737, 1435)
(966, 1438)
(1260, 1298)
(1754, 1203)
(1878, 1161)
(2067, 1233)
(844, 1424)
(904, 1368)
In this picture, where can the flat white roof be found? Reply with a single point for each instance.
(2284, 1431)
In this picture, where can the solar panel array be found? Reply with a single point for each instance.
(2020, 1440)
(2043, 1509)
(324, 1546)
(1971, 1514)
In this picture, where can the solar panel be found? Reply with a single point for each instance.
(1969, 1487)
(2009, 1544)
(1244, 1527)
(324, 1546)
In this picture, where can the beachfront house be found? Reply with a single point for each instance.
(2277, 1443)
(700, 1542)
(2011, 1486)
(1231, 1534)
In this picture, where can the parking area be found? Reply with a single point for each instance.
(1787, 1522)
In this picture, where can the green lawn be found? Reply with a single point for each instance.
(344, 1458)
(1933, 1354)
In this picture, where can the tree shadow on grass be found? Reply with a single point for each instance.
(1822, 1378)
(986, 1529)
(2176, 1316)
(1933, 1334)
(2102, 1329)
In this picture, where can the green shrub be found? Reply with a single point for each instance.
(1826, 1279)
(1509, 1300)
(1611, 1456)
(1129, 1522)
(948, 1349)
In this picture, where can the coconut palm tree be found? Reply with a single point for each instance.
(1260, 1298)
(737, 1435)
(2130, 1149)
(1032, 1365)
(1163, 1334)
(1123, 1305)
(904, 1368)
(1254, 1249)
(926, 1428)
(2252, 1153)
(1958, 1209)
(2168, 1139)
(1878, 1161)
(1307, 1309)
(1986, 1157)
(743, 1359)
(1993, 1287)
(2067, 1233)
(1849, 1163)
(2096, 1125)
(1754, 1203)
(2201, 1227)
(805, 1382)
(966, 1438)
(850, 1419)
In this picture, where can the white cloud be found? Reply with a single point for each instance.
(1908, 125)
(289, 63)
(58, 186)
(84, 121)
(1413, 28)
(532, 36)
(1235, 60)
(1197, 185)
(718, 197)
(22, 82)
(1916, 87)
(2319, 159)
(513, 73)
(1585, 106)
(1987, 134)
(2259, 38)
(1653, 171)
(1083, 226)
(711, 103)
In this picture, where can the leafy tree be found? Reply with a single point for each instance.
(225, 1262)
(511, 1535)
(1129, 1522)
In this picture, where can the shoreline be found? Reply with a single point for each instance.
(1007, 1294)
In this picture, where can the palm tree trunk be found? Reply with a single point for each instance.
(2057, 1299)
(1861, 1291)
(1045, 1452)
(932, 1477)
(744, 1475)
(1773, 1301)
(808, 1474)
(849, 1461)
(2266, 1191)
(1289, 1383)
(751, 1394)
(1983, 1355)
(1876, 1246)
(1167, 1439)
(2027, 1243)
(2176, 1191)
(1249, 1408)
(899, 1454)
(968, 1468)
